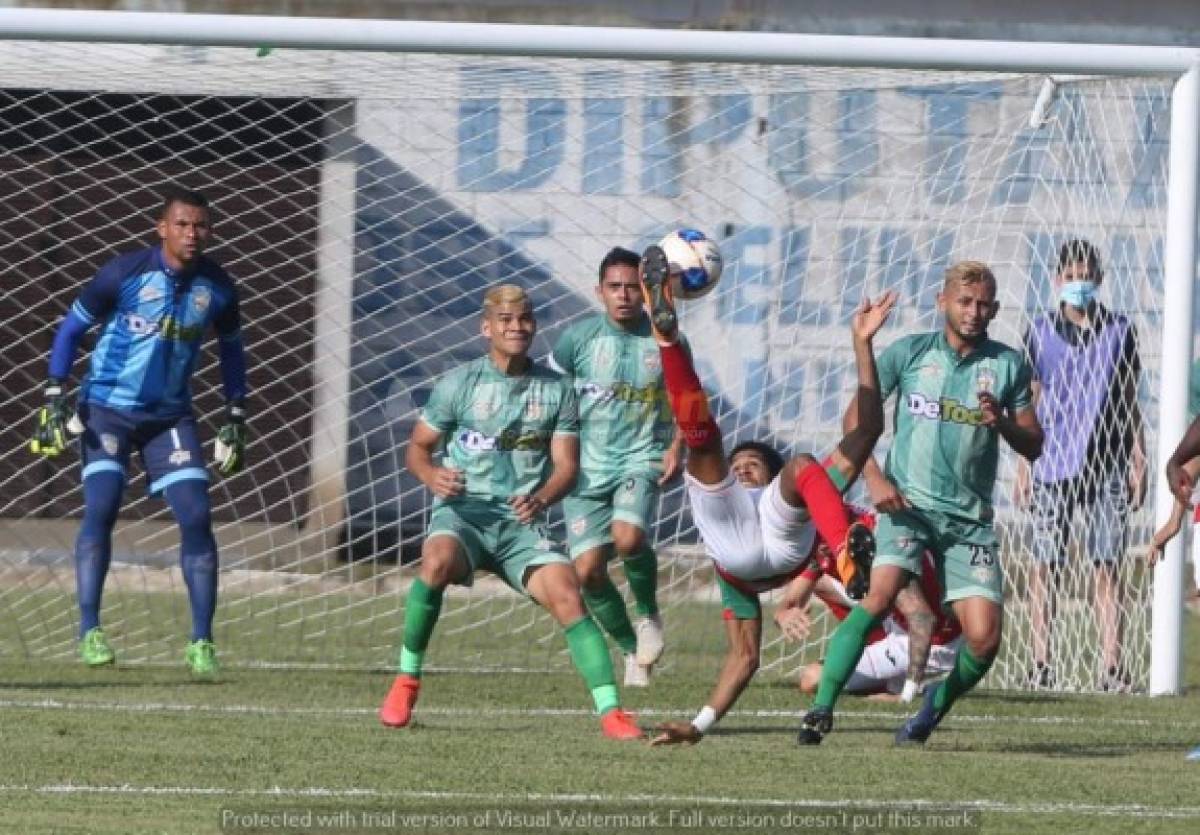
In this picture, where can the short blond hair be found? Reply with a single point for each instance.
(970, 272)
(504, 294)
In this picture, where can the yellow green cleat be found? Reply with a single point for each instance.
(201, 658)
(94, 648)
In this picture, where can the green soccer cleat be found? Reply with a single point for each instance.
(94, 648)
(201, 658)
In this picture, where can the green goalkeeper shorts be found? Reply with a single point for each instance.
(966, 553)
(629, 498)
(492, 540)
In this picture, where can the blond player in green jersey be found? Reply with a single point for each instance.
(507, 429)
(958, 392)
(628, 449)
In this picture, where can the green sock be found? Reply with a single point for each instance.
(641, 570)
(608, 609)
(845, 648)
(968, 671)
(589, 654)
(421, 610)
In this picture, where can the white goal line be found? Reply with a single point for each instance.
(1136, 810)
(533, 712)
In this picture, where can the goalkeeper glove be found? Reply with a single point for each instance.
(230, 450)
(56, 422)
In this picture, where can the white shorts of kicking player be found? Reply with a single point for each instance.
(884, 664)
(752, 533)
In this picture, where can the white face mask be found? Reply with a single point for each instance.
(1078, 294)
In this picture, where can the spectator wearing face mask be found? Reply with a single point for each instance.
(1085, 370)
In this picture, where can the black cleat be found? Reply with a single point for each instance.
(815, 724)
(656, 274)
(860, 548)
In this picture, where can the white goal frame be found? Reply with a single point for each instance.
(774, 48)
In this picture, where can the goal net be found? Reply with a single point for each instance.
(364, 201)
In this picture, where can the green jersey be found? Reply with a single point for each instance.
(497, 428)
(941, 458)
(625, 419)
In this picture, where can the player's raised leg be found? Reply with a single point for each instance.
(706, 451)
(443, 561)
(555, 587)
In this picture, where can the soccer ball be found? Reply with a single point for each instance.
(694, 261)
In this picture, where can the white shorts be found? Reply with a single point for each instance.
(750, 534)
(884, 664)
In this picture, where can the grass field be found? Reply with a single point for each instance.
(144, 749)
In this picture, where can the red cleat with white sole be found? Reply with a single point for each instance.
(397, 707)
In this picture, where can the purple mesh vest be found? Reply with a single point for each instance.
(1076, 381)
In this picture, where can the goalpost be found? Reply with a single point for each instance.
(371, 178)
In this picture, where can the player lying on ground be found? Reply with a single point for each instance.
(761, 525)
(509, 429)
(885, 669)
(958, 392)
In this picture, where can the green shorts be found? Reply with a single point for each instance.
(967, 553)
(590, 512)
(494, 541)
(738, 604)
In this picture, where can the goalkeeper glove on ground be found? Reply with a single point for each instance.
(55, 422)
(230, 450)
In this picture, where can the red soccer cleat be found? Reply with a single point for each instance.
(397, 707)
(617, 724)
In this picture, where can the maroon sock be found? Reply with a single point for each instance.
(824, 504)
(687, 397)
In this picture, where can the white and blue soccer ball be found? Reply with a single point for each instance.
(695, 263)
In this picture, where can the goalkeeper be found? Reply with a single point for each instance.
(153, 308)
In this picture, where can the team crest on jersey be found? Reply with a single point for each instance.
(179, 457)
(603, 359)
(201, 299)
(109, 443)
(985, 380)
(930, 371)
(983, 574)
(652, 362)
(579, 525)
(484, 409)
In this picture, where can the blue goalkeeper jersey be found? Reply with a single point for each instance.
(152, 325)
